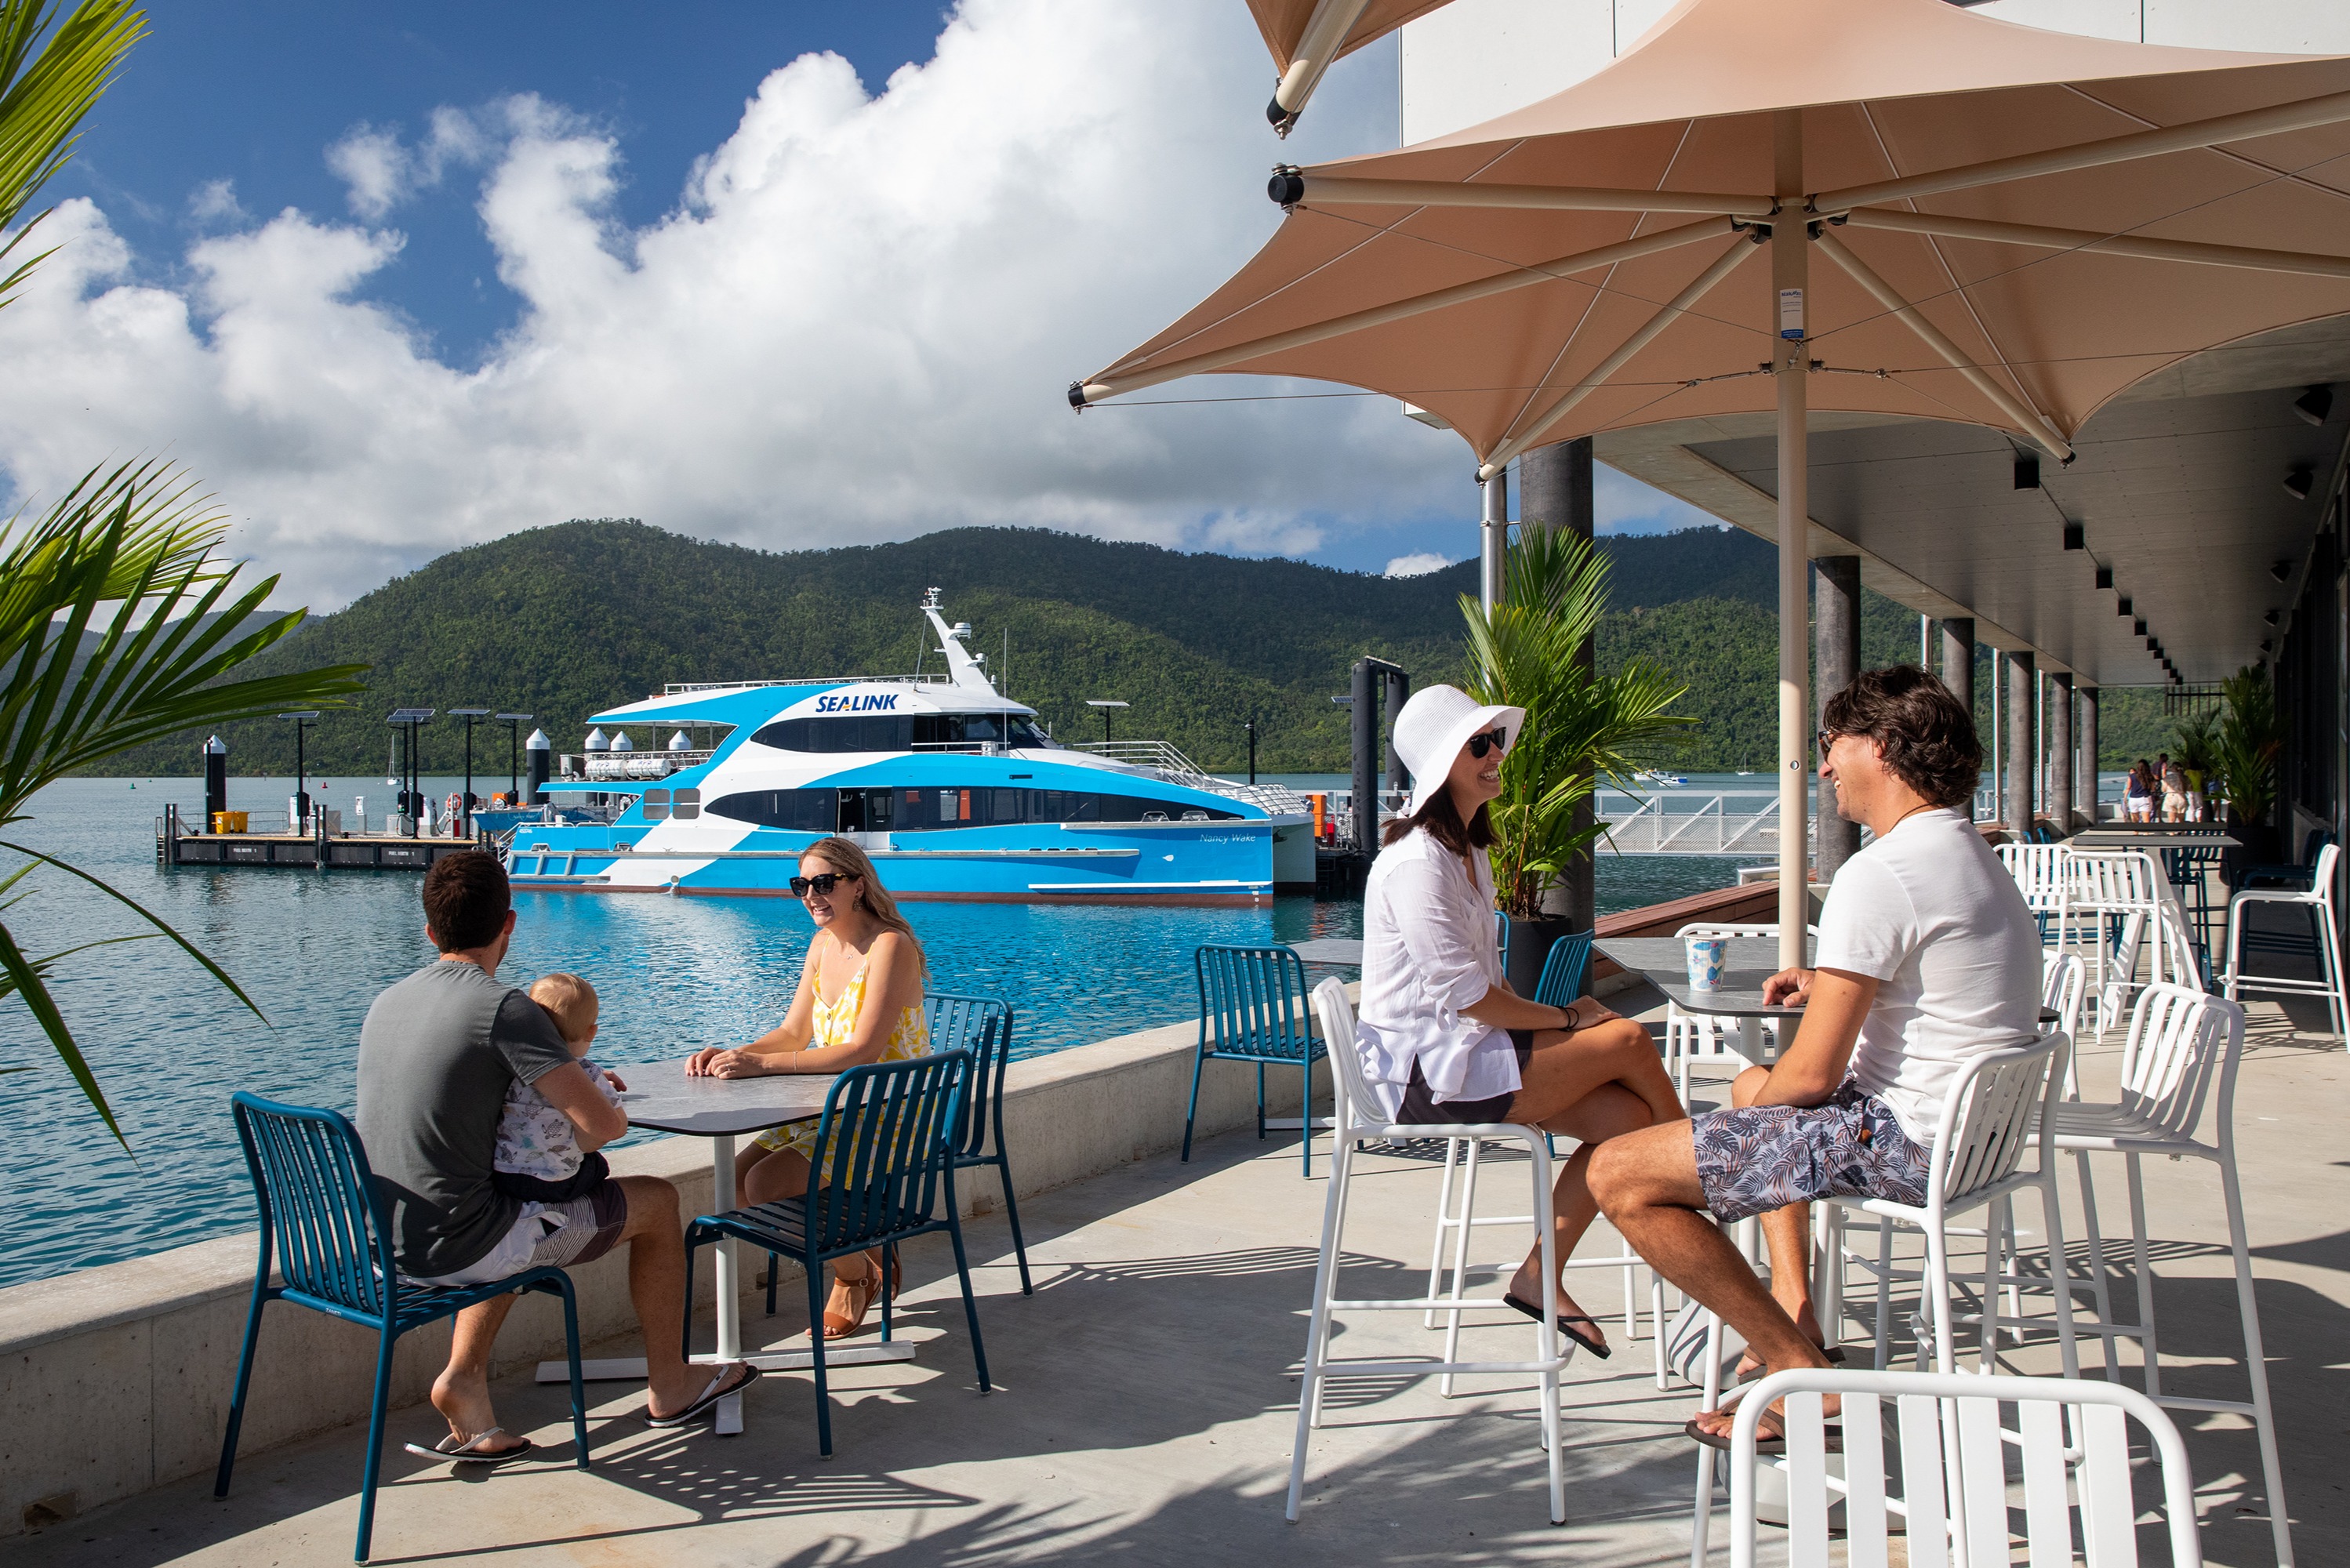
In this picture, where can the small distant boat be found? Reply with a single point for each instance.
(1662, 780)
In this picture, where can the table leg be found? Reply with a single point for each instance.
(728, 1417)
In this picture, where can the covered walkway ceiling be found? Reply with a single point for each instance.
(2180, 488)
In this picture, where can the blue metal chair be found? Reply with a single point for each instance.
(893, 1129)
(1501, 936)
(1563, 971)
(1252, 1007)
(330, 1227)
(982, 1026)
(2295, 876)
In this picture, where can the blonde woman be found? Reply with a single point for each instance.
(859, 1001)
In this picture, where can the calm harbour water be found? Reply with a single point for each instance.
(167, 1045)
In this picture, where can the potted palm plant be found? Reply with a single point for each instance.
(2250, 742)
(2195, 746)
(1530, 652)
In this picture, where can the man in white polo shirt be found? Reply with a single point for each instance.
(1926, 955)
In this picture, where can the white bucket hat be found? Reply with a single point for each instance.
(1432, 730)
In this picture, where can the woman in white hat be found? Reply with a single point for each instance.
(1443, 1037)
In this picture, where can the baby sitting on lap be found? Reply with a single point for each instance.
(537, 1155)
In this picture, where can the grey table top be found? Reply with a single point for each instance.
(1330, 950)
(2153, 839)
(1665, 961)
(659, 1095)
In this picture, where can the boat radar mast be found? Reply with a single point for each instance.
(962, 665)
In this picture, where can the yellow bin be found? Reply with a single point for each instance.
(231, 821)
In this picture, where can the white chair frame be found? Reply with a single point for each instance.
(1953, 1453)
(1360, 1116)
(2181, 1045)
(1700, 1036)
(1986, 1125)
(2100, 885)
(2319, 896)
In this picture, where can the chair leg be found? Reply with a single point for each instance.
(578, 1384)
(1345, 1198)
(375, 1445)
(2256, 1365)
(1443, 1219)
(1546, 1334)
(815, 1275)
(1260, 1102)
(2060, 1274)
(1309, 1385)
(1883, 1294)
(1701, 1510)
(1995, 1219)
(236, 1398)
(1002, 1162)
(1461, 1263)
(1934, 1296)
(2099, 1285)
(970, 1302)
(2149, 1354)
(1199, 1060)
(685, 1318)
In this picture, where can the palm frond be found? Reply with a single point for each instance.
(46, 95)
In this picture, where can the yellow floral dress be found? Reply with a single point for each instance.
(836, 1023)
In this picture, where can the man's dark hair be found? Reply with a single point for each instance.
(1925, 739)
(465, 902)
(1442, 820)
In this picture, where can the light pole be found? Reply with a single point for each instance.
(513, 724)
(302, 722)
(1104, 704)
(411, 793)
(1252, 736)
(469, 715)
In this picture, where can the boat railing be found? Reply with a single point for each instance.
(634, 764)
(689, 688)
(1171, 764)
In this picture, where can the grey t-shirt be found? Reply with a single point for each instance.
(436, 1056)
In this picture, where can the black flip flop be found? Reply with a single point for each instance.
(1764, 1442)
(709, 1400)
(1597, 1347)
(464, 1453)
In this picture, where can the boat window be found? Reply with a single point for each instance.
(793, 810)
(688, 806)
(655, 804)
(900, 733)
(1026, 733)
(917, 810)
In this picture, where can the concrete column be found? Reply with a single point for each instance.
(2021, 756)
(2057, 736)
(2085, 791)
(1959, 661)
(1835, 631)
(1555, 492)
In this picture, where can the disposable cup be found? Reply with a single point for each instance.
(1707, 957)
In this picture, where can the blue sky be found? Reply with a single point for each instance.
(394, 280)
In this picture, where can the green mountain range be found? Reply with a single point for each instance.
(561, 622)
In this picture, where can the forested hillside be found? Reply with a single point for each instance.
(563, 621)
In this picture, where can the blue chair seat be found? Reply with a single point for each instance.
(326, 1223)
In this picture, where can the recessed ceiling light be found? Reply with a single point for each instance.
(2138, 626)
(2298, 483)
(2266, 645)
(2027, 471)
(2281, 570)
(2269, 619)
(2122, 605)
(2105, 577)
(2315, 404)
(2076, 537)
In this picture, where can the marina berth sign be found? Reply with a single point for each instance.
(955, 790)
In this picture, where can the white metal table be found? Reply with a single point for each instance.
(661, 1096)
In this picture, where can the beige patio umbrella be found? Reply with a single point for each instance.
(2011, 226)
(1307, 37)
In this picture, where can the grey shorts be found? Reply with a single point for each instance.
(1767, 1157)
(551, 1236)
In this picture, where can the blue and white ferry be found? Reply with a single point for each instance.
(952, 787)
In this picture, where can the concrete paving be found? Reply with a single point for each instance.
(1145, 1396)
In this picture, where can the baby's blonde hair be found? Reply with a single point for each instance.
(570, 1001)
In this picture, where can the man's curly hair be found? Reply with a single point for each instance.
(1925, 739)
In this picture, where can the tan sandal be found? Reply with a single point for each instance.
(863, 1291)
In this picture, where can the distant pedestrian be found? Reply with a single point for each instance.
(2173, 779)
(2138, 803)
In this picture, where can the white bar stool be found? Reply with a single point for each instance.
(2317, 896)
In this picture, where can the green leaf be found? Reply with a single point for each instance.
(27, 981)
(162, 927)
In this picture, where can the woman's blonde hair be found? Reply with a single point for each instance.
(846, 856)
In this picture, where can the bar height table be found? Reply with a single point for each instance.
(661, 1098)
(1663, 961)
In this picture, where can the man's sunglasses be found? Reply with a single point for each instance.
(1496, 739)
(803, 886)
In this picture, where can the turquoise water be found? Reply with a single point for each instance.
(167, 1045)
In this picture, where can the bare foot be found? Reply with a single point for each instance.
(464, 1404)
(1526, 1286)
(1807, 1323)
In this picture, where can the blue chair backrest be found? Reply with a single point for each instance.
(320, 1211)
(1502, 935)
(1254, 1000)
(1561, 975)
(2318, 839)
(982, 1026)
(892, 1131)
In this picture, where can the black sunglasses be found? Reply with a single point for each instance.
(803, 886)
(1496, 739)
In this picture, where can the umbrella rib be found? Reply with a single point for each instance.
(1321, 42)
(2274, 120)
(1110, 384)
(1698, 287)
(2193, 251)
(2035, 425)
(1330, 190)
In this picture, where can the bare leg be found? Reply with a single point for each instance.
(1606, 1112)
(1646, 1184)
(655, 1238)
(461, 1392)
(1788, 1233)
(784, 1174)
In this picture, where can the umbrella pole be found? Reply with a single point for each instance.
(1789, 242)
(1493, 541)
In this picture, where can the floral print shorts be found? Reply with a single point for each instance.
(1767, 1157)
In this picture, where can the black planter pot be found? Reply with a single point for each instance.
(1530, 945)
(2262, 843)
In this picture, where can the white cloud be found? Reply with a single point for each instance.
(1623, 505)
(214, 202)
(855, 324)
(1418, 565)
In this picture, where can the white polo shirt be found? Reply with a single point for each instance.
(1929, 913)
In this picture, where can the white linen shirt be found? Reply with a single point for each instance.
(1429, 951)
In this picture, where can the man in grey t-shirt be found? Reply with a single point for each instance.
(437, 1053)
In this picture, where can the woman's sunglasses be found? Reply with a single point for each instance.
(803, 886)
(1496, 739)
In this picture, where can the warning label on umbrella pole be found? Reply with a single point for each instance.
(1791, 315)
